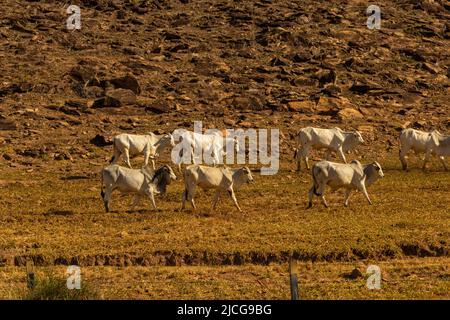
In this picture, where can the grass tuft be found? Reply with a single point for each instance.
(53, 287)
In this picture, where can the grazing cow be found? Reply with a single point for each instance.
(439, 145)
(220, 179)
(333, 139)
(212, 144)
(339, 175)
(140, 182)
(150, 145)
(412, 139)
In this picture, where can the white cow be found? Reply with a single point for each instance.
(150, 145)
(339, 175)
(439, 145)
(140, 182)
(333, 139)
(220, 179)
(412, 139)
(212, 144)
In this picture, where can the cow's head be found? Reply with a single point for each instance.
(378, 169)
(162, 178)
(168, 139)
(247, 174)
(358, 137)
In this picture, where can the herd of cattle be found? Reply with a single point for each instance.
(146, 182)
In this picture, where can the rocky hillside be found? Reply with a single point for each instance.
(158, 65)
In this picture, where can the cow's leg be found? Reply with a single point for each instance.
(303, 155)
(116, 156)
(363, 189)
(298, 159)
(443, 163)
(190, 196)
(193, 157)
(216, 199)
(324, 201)
(402, 155)
(126, 153)
(341, 154)
(147, 157)
(306, 162)
(425, 160)
(107, 198)
(183, 199)
(180, 157)
(347, 196)
(137, 199)
(233, 196)
(310, 197)
(151, 195)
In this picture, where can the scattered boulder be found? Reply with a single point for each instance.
(119, 97)
(6, 124)
(101, 140)
(83, 73)
(159, 106)
(349, 113)
(16, 88)
(305, 106)
(93, 92)
(247, 103)
(229, 122)
(126, 82)
(62, 156)
(355, 274)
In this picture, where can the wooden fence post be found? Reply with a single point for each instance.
(293, 278)
(31, 277)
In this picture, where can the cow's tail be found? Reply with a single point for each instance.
(102, 186)
(315, 183)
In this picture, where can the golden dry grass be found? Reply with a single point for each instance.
(424, 278)
(53, 218)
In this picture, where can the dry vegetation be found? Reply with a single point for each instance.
(61, 221)
(230, 64)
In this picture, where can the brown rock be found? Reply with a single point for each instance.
(247, 103)
(82, 73)
(245, 124)
(119, 98)
(431, 68)
(101, 140)
(93, 92)
(349, 113)
(127, 82)
(355, 274)
(229, 122)
(305, 106)
(159, 106)
(6, 124)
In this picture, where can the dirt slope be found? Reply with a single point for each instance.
(144, 65)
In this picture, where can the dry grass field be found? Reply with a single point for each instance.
(55, 217)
